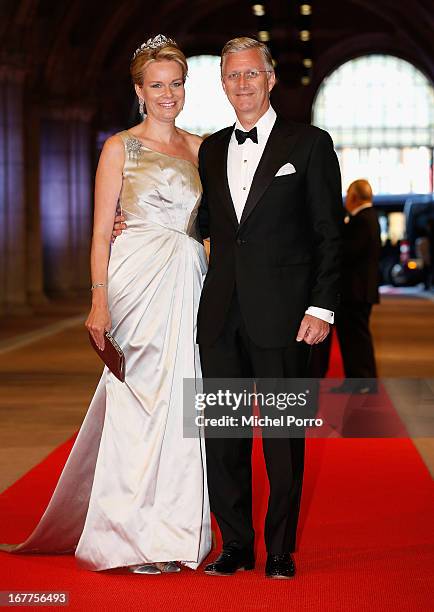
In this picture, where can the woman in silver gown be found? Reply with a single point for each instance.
(133, 492)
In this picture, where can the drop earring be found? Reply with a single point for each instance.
(141, 108)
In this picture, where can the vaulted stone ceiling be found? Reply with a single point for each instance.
(78, 51)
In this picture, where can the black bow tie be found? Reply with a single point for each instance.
(242, 136)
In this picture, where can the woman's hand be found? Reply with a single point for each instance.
(98, 322)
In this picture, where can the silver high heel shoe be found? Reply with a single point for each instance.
(146, 568)
(168, 567)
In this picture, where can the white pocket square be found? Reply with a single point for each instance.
(286, 169)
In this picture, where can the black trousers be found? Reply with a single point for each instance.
(355, 340)
(229, 466)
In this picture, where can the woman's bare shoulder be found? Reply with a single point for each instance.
(113, 152)
(114, 146)
(114, 142)
(193, 140)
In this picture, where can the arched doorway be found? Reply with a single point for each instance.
(379, 110)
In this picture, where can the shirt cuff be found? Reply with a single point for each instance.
(321, 313)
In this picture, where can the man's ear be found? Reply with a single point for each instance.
(271, 81)
(223, 84)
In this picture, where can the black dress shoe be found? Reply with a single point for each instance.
(355, 389)
(230, 560)
(280, 566)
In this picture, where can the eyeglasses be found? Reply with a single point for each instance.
(249, 75)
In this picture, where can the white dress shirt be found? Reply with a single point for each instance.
(243, 159)
(362, 206)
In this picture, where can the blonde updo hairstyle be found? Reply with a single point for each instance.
(169, 52)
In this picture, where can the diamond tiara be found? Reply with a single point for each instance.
(154, 43)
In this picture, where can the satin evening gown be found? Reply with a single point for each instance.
(133, 489)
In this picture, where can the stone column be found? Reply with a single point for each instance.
(35, 275)
(82, 182)
(66, 200)
(13, 273)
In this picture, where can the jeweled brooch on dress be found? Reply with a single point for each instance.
(134, 149)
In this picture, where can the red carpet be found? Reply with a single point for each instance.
(366, 541)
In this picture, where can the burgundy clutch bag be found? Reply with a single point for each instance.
(112, 355)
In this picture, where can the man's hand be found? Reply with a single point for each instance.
(118, 226)
(313, 330)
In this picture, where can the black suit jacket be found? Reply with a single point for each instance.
(285, 254)
(362, 246)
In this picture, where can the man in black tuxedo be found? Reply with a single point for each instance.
(360, 279)
(272, 208)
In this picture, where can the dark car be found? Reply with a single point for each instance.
(403, 221)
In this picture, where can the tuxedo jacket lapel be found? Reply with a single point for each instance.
(281, 141)
(221, 172)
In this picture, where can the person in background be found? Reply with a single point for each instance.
(360, 280)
